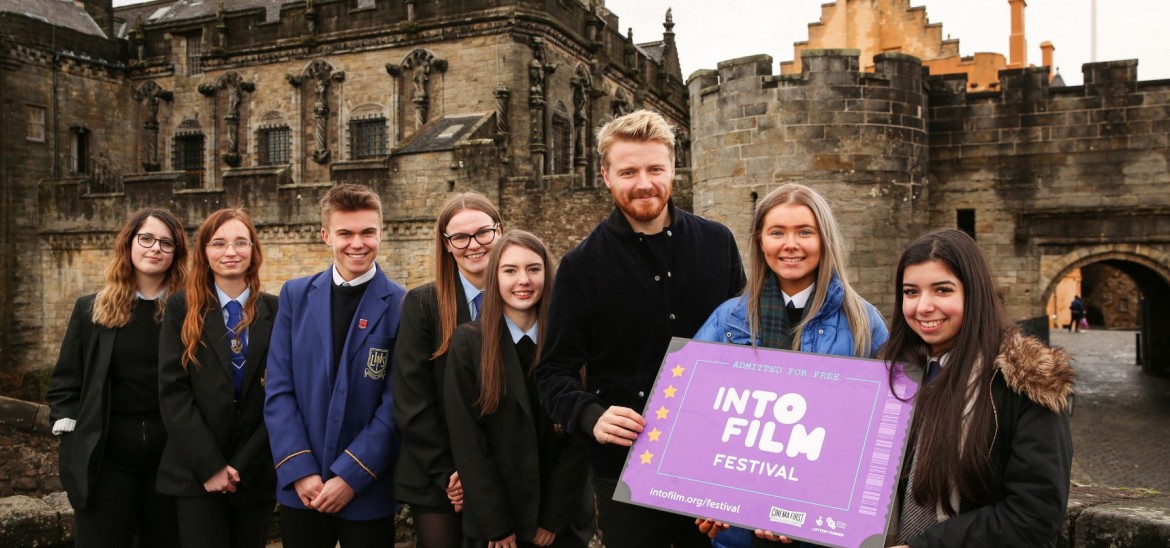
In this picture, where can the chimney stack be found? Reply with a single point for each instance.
(1046, 49)
(1018, 49)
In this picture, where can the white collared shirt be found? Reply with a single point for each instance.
(470, 291)
(369, 275)
(799, 300)
(517, 334)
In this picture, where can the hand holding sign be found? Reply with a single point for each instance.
(619, 426)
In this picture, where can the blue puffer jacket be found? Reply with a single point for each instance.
(826, 333)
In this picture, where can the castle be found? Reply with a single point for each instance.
(198, 105)
(265, 105)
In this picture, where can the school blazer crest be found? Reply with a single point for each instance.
(334, 421)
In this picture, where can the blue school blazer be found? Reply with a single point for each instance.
(327, 423)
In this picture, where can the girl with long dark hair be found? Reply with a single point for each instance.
(990, 451)
(217, 462)
(103, 396)
(525, 481)
(425, 476)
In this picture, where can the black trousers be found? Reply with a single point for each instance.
(310, 529)
(122, 502)
(627, 525)
(211, 520)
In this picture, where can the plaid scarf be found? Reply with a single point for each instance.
(775, 331)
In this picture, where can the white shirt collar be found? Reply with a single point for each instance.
(161, 295)
(369, 275)
(517, 334)
(799, 300)
(469, 289)
(224, 299)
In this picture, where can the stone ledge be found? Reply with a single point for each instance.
(23, 415)
(26, 521)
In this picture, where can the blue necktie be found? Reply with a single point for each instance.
(476, 306)
(237, 344)
(932, 369)
(791, 305)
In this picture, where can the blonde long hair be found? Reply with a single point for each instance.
(114, 303)
(832, 256)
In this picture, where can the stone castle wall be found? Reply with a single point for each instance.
(857, 138)
(1054, 173)
(370, 56)
(1049, 179)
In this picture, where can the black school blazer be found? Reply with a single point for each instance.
(207, 429)
(424, 459)
(502, 457)
(78, 391)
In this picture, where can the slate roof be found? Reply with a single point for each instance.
(442, 134)
(60, 13)
(169, 11)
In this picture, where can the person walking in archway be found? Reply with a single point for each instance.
(1078, 313)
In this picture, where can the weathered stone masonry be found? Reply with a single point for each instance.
(1049, 179)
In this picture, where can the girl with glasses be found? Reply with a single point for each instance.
(526, 481)
(212, 357)
(425, 476)
(103, 396)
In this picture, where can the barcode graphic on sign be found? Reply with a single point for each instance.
(875, 477)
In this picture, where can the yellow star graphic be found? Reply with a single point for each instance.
(670, 390)
(678, 370)
(646, 456)
(662, 412)
(655, 434)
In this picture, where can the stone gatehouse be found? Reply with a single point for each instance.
(1047, 179)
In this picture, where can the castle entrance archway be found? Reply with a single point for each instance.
(1150, 271)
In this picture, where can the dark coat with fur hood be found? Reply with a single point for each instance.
(1031, 454)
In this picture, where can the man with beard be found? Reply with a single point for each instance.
(647, 273)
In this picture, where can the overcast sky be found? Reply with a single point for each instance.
(710, 31)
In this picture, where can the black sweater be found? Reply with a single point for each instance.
(616, 306)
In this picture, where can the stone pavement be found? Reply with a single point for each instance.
(1121, 417)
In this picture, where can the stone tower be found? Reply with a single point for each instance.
(859, 138)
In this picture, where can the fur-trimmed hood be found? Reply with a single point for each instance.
(1037, 371)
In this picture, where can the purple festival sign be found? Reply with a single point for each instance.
(801, 444)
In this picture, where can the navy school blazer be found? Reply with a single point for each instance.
(334, 423)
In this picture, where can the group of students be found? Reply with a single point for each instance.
(500, 406)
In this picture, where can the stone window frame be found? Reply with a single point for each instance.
(35, 127)
(193, 44)
(359, 148)
(80, 150)
(187, 158)
(264, 148)
(560, 139)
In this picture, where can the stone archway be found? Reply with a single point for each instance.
(1150, 270)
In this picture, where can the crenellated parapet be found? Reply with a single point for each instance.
(858, 137)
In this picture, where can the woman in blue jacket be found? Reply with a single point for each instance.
(797, 296)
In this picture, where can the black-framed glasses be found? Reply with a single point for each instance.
(147, 240)
(221, 246)
(484, 236)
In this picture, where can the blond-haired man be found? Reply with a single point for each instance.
(647, 273)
